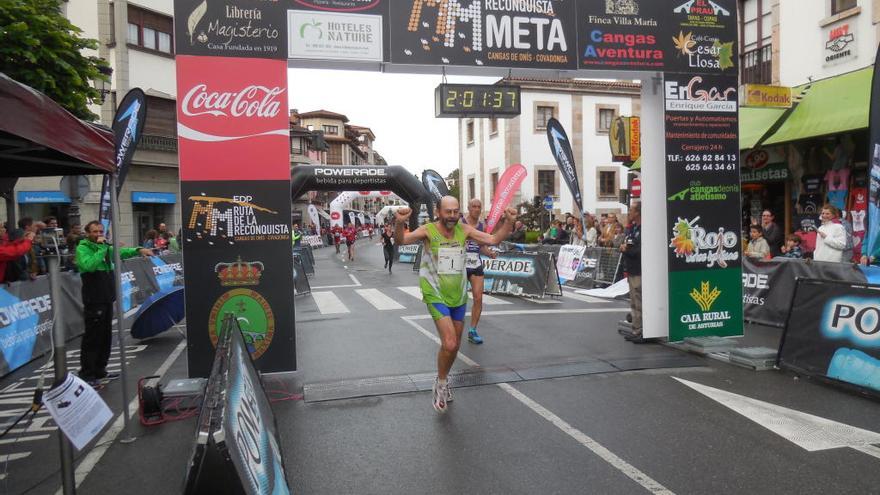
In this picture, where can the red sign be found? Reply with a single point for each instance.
(635, 190)
(335, 215)
(232, 124)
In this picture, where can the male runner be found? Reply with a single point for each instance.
(474, 266)
(443, 278)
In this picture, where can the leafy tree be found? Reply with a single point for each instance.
(454, 191)
(41, 48)
(535, 216)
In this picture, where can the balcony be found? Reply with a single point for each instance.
(154, 142)
(757, 66)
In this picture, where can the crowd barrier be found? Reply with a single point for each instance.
(26, 309)
(237, 449)
(768, 285)
(314, 241)
(831, 331)
(301, 285)
(308, 258)
(522, 274)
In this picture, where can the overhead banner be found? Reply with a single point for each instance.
(521, 274)
(531, 34)
(560, 146)
(835, 333)
(507, 187)
(703, 206)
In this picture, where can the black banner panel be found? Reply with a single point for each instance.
(238, 258)
(833, 330)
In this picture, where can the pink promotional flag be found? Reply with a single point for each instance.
(507, 186)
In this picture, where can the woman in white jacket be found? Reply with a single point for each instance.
(831, 238)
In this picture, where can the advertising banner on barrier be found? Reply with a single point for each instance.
(519, 274)
(569, 262)
(704, 253)
(26, 311)
(768, 285)
(834, 332)
(407, 253)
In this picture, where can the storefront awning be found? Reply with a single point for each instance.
(161, 198)
(754, 123)
(41, 197)
(831, 106)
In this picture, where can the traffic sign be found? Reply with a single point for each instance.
(548, 202)
(635, 190)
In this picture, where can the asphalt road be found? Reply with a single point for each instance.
(554, 402)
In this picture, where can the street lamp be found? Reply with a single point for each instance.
(103, 84)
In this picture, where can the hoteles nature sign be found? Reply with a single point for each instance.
(234, 139)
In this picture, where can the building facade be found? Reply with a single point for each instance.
(585, 109)
(793, 162)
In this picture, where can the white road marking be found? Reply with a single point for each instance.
(534, 312)
(603, 453)
(586, 299)
(19, 440)
(356, 283)
(91, 460)
(489, 300)
(597, 448)
(546, 300)
(413, 291)
(809, 432)
(379, 300)
(14, 457)
(328, 303)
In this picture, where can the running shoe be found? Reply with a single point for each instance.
(448, 392)
(439, 393)
(474, 337)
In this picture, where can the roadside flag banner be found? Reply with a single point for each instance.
(560, 146)
(870, 246)
(505, 190)
(313, 215)
(435, 184)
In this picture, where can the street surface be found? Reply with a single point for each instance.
(555, 401)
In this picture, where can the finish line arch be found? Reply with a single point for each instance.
(234, 140)
(356, 180)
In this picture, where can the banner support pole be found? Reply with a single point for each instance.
(68, 481)
(120, 310)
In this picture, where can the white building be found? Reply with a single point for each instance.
(585, 109)
(145, 59)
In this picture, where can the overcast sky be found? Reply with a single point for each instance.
(399, 108)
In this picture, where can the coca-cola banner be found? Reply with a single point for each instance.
(233, 28)
(226, 115)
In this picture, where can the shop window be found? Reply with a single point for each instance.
(838, 6)
(546, 183)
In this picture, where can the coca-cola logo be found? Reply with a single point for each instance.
(252, 101)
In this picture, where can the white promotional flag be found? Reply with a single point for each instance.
(313, 215)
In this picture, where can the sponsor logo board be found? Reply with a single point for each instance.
(839, 44)
(335, 36)
(238, 28)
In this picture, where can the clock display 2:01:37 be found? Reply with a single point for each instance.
(481, 99)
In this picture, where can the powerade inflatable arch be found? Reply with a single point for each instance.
(344, 199)
(392, 178)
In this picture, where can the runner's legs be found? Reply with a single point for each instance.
(450, 339)
(477, 290)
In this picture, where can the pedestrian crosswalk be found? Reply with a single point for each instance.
(330, 302)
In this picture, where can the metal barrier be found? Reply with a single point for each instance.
(600, 266)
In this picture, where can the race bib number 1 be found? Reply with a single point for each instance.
(450, 261)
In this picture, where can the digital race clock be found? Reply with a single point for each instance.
(476, 100)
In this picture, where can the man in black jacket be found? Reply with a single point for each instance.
(632, 257)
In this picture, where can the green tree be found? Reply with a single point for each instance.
(455, 190)
(41, 48)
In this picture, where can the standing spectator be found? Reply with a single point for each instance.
(161, 242)
(772, 233)
(150, 239)
(51, 222)
(619, 236)
(592, 235)
(606, 236)
(10, 251)
(171, 242)
(847, 227)
(632, 258)
(757, 248)
(26, 266)
(576, 235)
(519, 233)
(792, 247)
(161, 228)
(831, 238)
(93, 257)
(297, 235)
